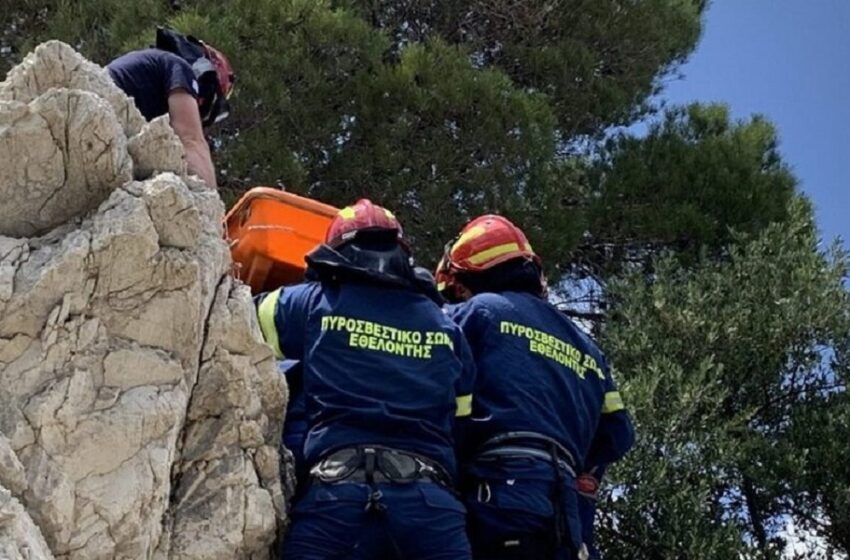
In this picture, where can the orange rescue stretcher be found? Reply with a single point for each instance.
(270, 232)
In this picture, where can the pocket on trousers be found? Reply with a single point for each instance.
(326, 495)
(437, 497)
(532, 497)
(515, 523)
(573, 519)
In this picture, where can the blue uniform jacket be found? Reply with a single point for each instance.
(538, 372)
(382, 366)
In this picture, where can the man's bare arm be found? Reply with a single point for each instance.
(186, 122)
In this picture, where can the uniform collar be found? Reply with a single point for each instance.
(330, 265)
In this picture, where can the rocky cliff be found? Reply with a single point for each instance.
(139, 410)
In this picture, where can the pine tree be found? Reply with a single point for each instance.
(684, 186)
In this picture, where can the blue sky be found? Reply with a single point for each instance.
(788, 60)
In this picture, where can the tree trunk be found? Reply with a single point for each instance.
(756, 516)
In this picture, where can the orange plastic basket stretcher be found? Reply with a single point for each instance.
(270, 231)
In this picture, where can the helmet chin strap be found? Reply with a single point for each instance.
(215, 108)
(221, 116)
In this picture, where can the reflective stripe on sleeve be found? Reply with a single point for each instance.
(266, 312)
(464, 405)
(613, 402)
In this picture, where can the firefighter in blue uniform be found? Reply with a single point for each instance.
(295, 423)
(545, 402)
(385, 376)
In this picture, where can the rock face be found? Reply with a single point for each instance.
(139, 410)
(19, 537)
(63, 159)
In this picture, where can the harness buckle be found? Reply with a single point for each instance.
(374, 502)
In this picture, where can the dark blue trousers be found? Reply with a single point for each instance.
(512, 510)
(417, 521)
(587, 512)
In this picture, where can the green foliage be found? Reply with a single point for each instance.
(20, 22)
(299, 67)
(96, 28)
(596, 61)
(726, 365)
(662, 502)
(693, 179)
(453, 143)
(813, 453)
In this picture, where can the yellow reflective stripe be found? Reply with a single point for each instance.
(613, 402)
(347, 213)
(474, 232)
(493, 252)
(266, 313)
(389, 214)
(464, 405)
(441, 286)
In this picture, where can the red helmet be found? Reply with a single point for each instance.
(214, 97)
(445, 280)
(223, 70)
(485, 242)
(362, 216)
(211, 68)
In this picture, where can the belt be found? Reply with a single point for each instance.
(522, 451)
(374, 464)
(360, 475)
(529, 444)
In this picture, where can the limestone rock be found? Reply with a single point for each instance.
(228, 501)
(12, 474)
(55, 64)
(175, 216)
(62, 154)
(140, 411)
(157, 148)
(20, 538)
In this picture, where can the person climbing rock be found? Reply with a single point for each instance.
(385, 377)
(545, 401)
(186, 79)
